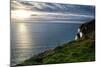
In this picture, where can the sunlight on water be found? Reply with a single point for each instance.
(29, 39)
(22, 28)
(23, 35)
(23, 41)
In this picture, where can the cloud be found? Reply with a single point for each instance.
(53, 11)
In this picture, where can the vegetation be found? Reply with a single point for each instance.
(81, 50)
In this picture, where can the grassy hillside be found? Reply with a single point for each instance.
(81, 50)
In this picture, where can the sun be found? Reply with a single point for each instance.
(21, 14)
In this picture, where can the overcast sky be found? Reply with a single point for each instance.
(55, 11)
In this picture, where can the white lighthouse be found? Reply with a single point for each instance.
(79, 34)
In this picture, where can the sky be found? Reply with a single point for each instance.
(39, 11)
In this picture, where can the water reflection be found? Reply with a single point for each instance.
(20, 40)
(24, 40)
(22, 28)
(28, 39)
(23, 35)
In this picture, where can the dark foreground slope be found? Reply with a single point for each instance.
(80, 50)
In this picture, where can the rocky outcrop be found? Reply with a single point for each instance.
(85, 28)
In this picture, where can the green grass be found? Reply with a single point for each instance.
(82, 50)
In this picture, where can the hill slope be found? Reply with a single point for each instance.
(80, 50)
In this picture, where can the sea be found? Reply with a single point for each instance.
(31, 38)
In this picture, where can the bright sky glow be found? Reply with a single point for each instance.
(21, 14)
(38, 11)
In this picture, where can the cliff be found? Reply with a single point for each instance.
(80, 50)
(85, 29)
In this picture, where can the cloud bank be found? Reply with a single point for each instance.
(54, 12)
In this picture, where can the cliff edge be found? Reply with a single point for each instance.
(81, 49)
